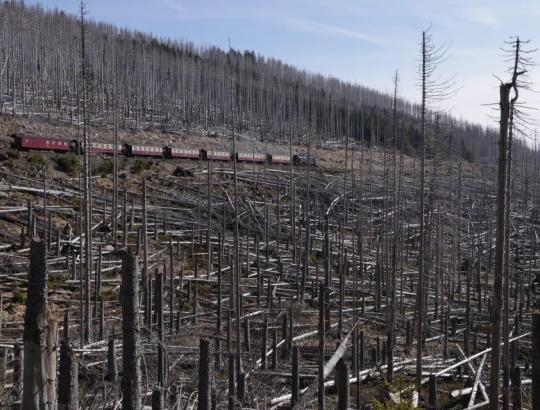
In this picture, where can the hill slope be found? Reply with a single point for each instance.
(170, 85)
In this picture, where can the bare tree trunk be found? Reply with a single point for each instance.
(87, 329)
(145, 278)
(295, 382)
(320, 397)
(158, 399)
(18, 363)
(115, 158)
(39, 377)
(131, 375)
(112, 371)
(535, 360)
(420, 291)
(231, 378)
(496, 313)
(236, 275)
(68, 383)
(204, 375)
(507, 267)
(161, 368)
(342, 384)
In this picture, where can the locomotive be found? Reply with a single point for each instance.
(24, 142)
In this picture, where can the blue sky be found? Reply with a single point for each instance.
(361, 41)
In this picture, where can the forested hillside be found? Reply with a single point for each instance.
(172, 86)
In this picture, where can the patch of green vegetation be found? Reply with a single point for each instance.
(10, 308)
(404, 405)
(185, 305)
(10, 164)
(13, 154)
(55, 281)
(18, 296)
(67, 163)
(203, 289)
(36, 159)
(104, 168)
(108, 295)
(141, 165)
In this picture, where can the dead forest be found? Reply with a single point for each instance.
(399, 273)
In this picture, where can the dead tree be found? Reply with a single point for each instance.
(204, 375)
(145, 278)
(342, 384)
(505, 105)
(131, 374)
(516, 388)
(231, 379)
(158, 402)
(535, 360)
(18, 363)
(432, 91)
(39, 376)
(320, 396)
(87, 214)
(172, 290)
(264, 342)
(295, 382)
(68, 383)
(392, 310)
(160, 331)
(115, 158)
(112, 370)
(236, 274)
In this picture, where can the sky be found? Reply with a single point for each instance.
(360, 41)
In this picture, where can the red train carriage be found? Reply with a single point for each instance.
(26, 143)
(142, 151)
(215, 155)
(97, 148)
(251, 157)
(279, 159)
(179, 153)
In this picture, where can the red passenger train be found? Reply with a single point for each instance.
(37, 143)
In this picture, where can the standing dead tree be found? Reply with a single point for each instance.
(87, 214)
(432, 91)
(392, 308)
(68, 383)
(236, 272)
(131, 373)
(204, 376)
(39, 374)
(507, 111)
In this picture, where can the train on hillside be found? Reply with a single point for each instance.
(23, 142)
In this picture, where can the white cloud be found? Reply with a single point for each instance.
(173, 5)
(481, 15)
(328, 29)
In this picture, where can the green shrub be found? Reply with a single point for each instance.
(36, 159)
(56, 280)
(10, 308)
(67, 163)
(141, 165)
(203, 289)
(18, 296)
(104, 168)
(13, 154)
(404, 405)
